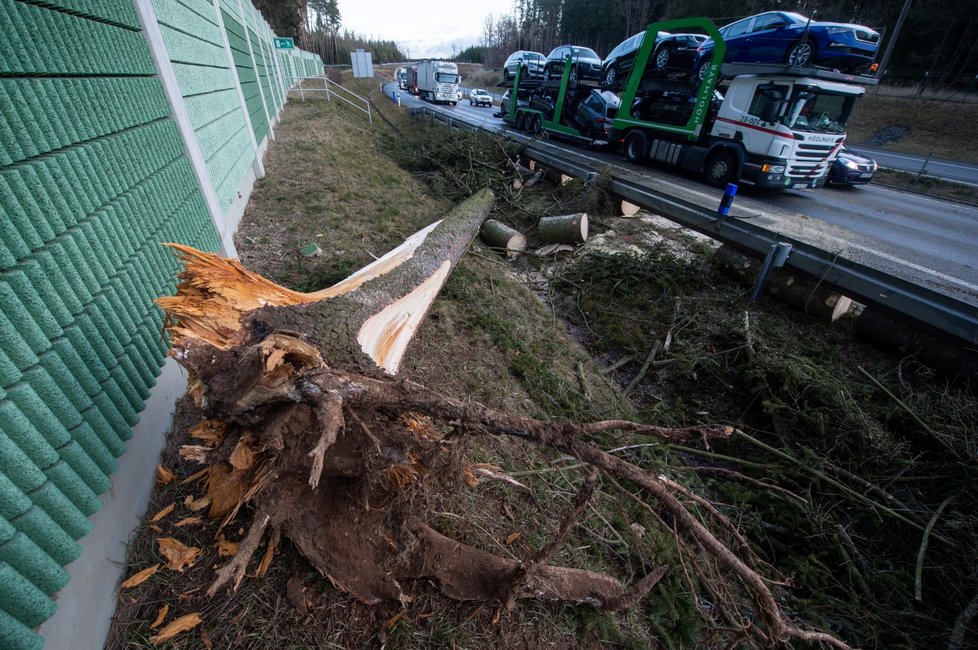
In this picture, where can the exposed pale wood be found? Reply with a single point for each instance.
(501, 237)
(628, 209)
(564, 229)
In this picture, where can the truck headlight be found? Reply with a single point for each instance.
(772, 169)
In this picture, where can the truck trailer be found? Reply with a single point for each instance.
(438, 81)
(772, 126)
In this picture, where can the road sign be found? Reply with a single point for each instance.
(284, 43)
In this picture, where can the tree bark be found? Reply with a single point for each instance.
(565, 229)
(503, 238)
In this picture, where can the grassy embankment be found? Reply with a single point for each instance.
(847, 454)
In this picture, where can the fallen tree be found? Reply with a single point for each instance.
(310, 433)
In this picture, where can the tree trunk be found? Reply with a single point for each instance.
(565, 229)
(503, 238)
(309, 435)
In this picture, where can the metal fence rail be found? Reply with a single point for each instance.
(935, 310)
(332, 93)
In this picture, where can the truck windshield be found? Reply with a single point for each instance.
(446, 78)
(811, 109)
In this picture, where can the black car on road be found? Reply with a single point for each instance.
(851, 168)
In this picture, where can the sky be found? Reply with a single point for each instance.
(422, 28)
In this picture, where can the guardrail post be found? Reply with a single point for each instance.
(776, 257)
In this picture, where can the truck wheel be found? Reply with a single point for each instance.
(721, 168)
(521, 122)
(537, 124)
(636, 145)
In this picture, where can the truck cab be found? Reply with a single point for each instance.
(785, 130)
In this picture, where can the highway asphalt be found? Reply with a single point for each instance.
(946, 169)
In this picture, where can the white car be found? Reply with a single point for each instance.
(479, 97)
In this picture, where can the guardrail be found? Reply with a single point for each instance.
(333, 93)
(869, 286)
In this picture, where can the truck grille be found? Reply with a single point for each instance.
(816, 151)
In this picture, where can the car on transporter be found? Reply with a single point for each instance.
(787, 37)
(585, 63)
(672, 52)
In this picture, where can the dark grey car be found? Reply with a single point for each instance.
(585, 63)
(595, 112)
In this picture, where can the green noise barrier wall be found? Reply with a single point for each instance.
(94, 178)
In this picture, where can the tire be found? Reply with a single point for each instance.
(546, 73)
(519, 121)
(662, 58)
(573, 75)
(701, 71)
(720, 169)
(588, 131)
(636, 145)
(471, 103)
(801, 54)
(537, 125)
(611, 75)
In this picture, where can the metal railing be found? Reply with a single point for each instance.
(332, 93)
(872, 287)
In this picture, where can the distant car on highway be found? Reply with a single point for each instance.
(586, 64)
(851, 168)
(672, 51)
(786, 37)
(529, 63)
(479, 97)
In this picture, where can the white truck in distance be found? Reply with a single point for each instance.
(438, 81)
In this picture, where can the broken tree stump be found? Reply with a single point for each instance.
(564, 229)
(503, 238)
(311, 435)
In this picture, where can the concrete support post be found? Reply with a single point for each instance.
(254, 65)
(256, 163)
(164, 68)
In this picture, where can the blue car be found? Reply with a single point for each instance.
(785, 37)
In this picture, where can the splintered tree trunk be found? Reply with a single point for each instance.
(309, 434)
(501, 237)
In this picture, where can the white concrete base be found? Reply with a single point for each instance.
(88, 601)
(232, 216)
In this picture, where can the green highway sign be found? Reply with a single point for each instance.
(284, 43)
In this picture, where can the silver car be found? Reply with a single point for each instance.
(527, 62)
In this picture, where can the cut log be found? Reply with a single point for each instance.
(503, 238)
(628, 209)
(819, 302)
(565, 229)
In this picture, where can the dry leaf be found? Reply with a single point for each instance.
(189, 521)
(140, 577)
(196, 505)
(226, 548)
(242, 457)
(156, 528)
(175, 627)
(512, 537)
(394, 619)
(206, 640)
(163, 475)
(164, 512)
(196, 453)
(180, 555)
(159, 617)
